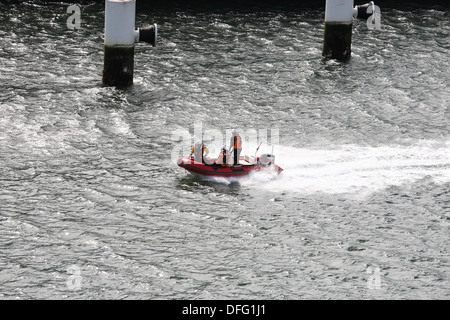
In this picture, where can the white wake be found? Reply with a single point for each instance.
(356, 169)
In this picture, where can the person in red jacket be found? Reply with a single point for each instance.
(235, 146)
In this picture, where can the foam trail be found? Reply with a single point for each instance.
(356, 169)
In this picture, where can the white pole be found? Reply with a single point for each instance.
(119, 22)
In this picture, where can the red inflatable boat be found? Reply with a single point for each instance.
(246, 166)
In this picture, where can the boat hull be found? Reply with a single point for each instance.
(215, 170)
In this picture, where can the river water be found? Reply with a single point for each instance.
(93, 205)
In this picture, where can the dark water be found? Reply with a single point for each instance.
(93, 205)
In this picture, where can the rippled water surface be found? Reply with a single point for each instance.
(93, 205)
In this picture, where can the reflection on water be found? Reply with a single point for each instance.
(219, 185)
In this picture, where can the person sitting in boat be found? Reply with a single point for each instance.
(223, 157)
(199, 151)
(235, 146)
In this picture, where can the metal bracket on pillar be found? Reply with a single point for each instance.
(369, 12)
(362, 11)
(148, 34)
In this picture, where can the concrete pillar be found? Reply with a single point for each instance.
(120, 37)
(338, 29)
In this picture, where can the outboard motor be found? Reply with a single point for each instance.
(267, 159)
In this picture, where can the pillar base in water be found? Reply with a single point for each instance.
(337, 41)
(118, 65)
